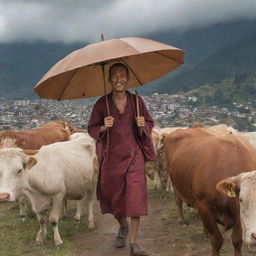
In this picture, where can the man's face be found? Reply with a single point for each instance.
(119, 79)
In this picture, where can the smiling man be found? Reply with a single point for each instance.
(122, 188)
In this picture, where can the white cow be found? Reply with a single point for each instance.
(80, 203)
(251, 137)
(243, 187)
(63, 170)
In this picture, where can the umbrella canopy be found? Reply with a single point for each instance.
(80, 74)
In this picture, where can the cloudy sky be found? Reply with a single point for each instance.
(85, 20)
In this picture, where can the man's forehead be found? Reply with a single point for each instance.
(118, 70)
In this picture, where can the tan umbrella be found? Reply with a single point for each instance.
(84, 72)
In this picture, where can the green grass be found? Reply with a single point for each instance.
(18, 238)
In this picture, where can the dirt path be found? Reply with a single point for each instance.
(160, 234)
(152, 235)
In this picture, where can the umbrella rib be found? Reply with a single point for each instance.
(181, 62)
(133, 73)
(65, 87)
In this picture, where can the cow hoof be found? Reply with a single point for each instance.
(39, 243)
(78, 221)
(91, 227)
(252, 248)
(22, 218)
(59, 246)
(183, 223)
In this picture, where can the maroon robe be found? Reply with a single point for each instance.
(122, 187)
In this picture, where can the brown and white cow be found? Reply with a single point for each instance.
(157, 169)
(243, 187)
(63, 170)
(196, 161)
(48, 133)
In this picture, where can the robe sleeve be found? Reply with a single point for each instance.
(95, 122)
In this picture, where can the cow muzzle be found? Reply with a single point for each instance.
(4, 197)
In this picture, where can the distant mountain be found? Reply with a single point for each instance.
(233, 68)
(23, 64)
(199, 43)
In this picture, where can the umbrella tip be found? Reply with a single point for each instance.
(102, 37)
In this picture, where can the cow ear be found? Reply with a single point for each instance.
(30, 162)
(229, 186)
(87, 145)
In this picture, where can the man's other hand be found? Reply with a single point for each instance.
(108, 123)
(140, 121)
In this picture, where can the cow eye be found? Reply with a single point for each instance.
(240, 200)
(19, 171)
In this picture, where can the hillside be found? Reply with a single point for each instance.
(231, 71)
(23, 64)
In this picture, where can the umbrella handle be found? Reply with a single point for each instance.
(106, 98)
(105, 89)
(137, 103)
(138, 109)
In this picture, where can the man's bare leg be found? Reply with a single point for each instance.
(135, 250)
(135, 222)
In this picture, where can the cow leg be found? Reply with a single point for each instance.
(23, 207)
(65, 208)
(55, 216)
(155, 181)
(179, 203)
(41, 235)
(169, 187)
(40, 205)
(79, 210)
(90, 200)
(209, 222)
(236, 237)
(163, 181)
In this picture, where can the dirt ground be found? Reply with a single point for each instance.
(160, 234)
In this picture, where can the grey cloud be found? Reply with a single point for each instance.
(78, 20)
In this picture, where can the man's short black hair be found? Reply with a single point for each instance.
(118, 64)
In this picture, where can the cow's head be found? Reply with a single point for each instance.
(158, 167)
(69, 127)
(243, 188)
(152, 166)
(13, 164)
(8, 139)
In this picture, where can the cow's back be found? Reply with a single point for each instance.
(198, 160)
(35, 138)
(65, 166)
